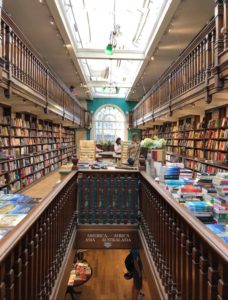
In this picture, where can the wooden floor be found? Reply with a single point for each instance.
(107, 281)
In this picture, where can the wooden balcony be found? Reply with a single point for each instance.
(183, 258)
(199, 73)
(23, 74)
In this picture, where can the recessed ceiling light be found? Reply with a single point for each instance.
(52, 22)
(41, 1)
(152, 58)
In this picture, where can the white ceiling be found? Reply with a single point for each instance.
(52, 42)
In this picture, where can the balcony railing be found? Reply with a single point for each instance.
(31, 257)
(24, 68)
(195, 72)
(190, 261)
(108, 198)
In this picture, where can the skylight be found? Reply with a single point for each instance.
(127, 24)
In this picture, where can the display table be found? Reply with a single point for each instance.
(79, 275)
(106, 154)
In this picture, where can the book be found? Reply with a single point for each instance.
(21, 208)
(10, 220)
(218, 229)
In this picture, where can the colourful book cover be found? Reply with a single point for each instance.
(191, 189)
(6, 208)
(10, 220)
(218, 229)
(22, 209)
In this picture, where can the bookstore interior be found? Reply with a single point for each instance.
(113, 137)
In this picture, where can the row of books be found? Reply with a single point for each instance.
(200, 154)
(17, 132)
(4, 130)
(216, 145)
(25, 171)
(4, 142)
(215, 123)
(209, 144)
(195, 134)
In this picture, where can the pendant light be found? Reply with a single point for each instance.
(109, 49)
(113, 35)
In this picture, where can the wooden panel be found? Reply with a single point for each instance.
(112, 237)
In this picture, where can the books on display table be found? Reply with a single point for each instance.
(13, 209)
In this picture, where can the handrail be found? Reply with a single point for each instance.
(215, 242)
(15, 235)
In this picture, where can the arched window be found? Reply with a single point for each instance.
(109, 123)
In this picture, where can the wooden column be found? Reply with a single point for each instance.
(218, 26)
(1, 37)
(208, 56)
(225, 24)
(8, 56)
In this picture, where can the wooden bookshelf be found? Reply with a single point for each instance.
(33, 148)
(201, 143)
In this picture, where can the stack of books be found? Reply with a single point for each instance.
(209, 193)
(199, 207)
(190, 192)
(185, 173)
(220, 181)
(202, 210)
(172, 173)
(220, 211)
(204, 179)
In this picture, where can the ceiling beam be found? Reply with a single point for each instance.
(103, 83)
(117, 54)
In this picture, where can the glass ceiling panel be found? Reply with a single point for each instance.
(92, 21)
(91, 24)
(111, 71)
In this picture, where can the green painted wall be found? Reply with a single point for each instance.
(93, 105)
(98, 102)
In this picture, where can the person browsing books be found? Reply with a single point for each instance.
(117, 146)
(134, 150)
